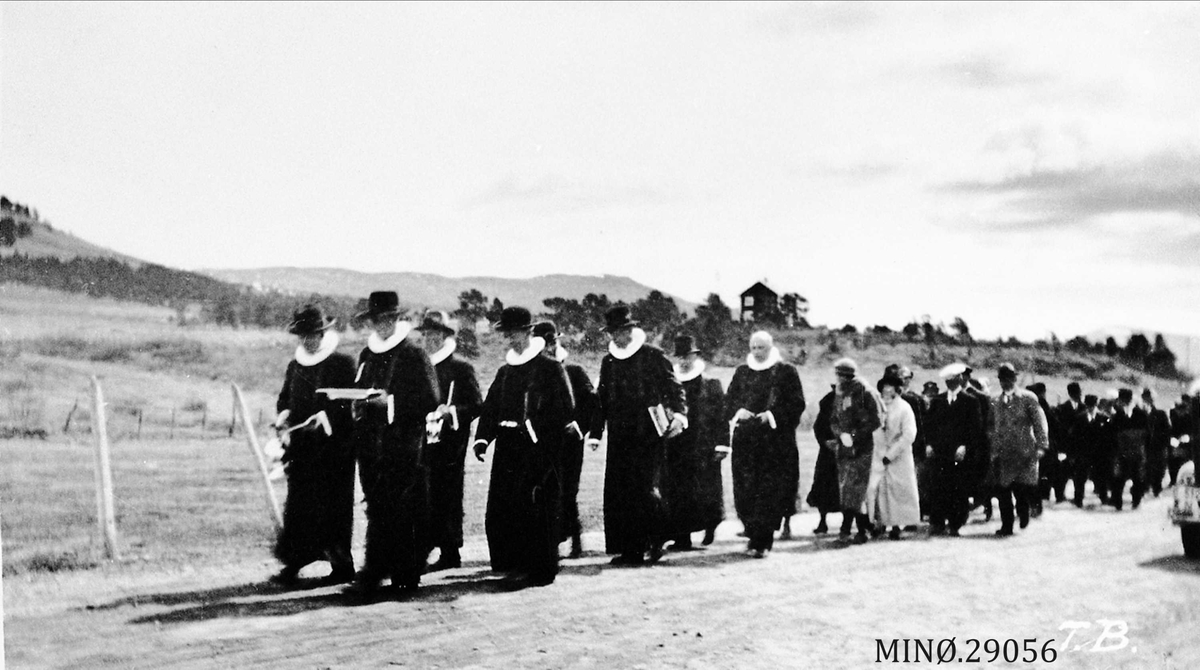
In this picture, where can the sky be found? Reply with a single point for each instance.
(1028, 167)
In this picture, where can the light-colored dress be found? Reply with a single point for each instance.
(892, 498)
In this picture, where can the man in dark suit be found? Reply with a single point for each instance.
(1182, 422)
(1131, 428)
(979, 461)
(1091, 437)
(954, 433)
(1158, 442)
(1067, 417)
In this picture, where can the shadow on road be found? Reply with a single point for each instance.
(1178, 564)
(241, 601)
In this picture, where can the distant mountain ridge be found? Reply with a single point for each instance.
(424, 290)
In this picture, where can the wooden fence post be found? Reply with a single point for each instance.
(104, 491)
(259, 458)
(67, 425)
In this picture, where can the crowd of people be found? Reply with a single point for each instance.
(888, 458)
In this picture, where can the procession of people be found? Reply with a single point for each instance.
(887, 460)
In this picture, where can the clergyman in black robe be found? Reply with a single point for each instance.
(693, 489)
(764, 403)
(390, 438)
(528, 415)
(318, 516)
(448, 431)
(641, 405)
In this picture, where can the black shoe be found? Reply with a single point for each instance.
(937, 530)
(821, 529)
(1005, 531)
(910, 529)
(709, 536)
(286, 577)
(656, 553)
(682, 545)
(576, 546)
(628, 559)
(894, 534)
(1024, 521)
(340, 575)
(953, 532)
(447, 561)
(861, 538)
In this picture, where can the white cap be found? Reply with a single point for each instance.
(952, 370)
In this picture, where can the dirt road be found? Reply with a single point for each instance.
(811, 603)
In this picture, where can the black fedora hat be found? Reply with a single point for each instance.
(546, 330)
(381, 303)
(684, 345)
(514, 318)
(309, 320)
(617, 318)
(437, 321)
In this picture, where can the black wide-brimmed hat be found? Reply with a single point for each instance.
(930, 386)
(617, 318)
(514, 318)
(546, 330)
(309, 320)
(381, 303)
(1006, 371)
(684, 345)
(436, 320)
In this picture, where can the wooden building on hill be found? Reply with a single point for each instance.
(761, 303)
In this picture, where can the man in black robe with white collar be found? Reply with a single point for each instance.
(318, 516)
(693, 490)
(641, 405)
(391, 437)
(584, 395)
(449, 430)
(528, 417)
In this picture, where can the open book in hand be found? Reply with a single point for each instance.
(350, 393)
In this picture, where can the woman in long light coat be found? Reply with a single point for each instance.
(892, 498)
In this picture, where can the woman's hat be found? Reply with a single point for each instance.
(889, 380)
(381, 303)
(436, 320)
(845, 366)
(617, 318)
(514, 318)
(684, 345)
(546, 330)
(309, 320)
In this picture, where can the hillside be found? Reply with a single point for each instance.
(430, 290)
(45, 241)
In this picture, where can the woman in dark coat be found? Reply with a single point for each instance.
(693, 490)
(391, 439)
(528, 415)
(319, 458)
(824, 494)
(764, 402)
(642, 406)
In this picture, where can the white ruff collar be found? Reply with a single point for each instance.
(442, 354)
(772, 359)
(329, 344)
(379, 345)
(639, 338)
(560, 354)
(696, 370)
(536, 344)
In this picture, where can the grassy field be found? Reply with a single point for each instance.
(186, 491)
